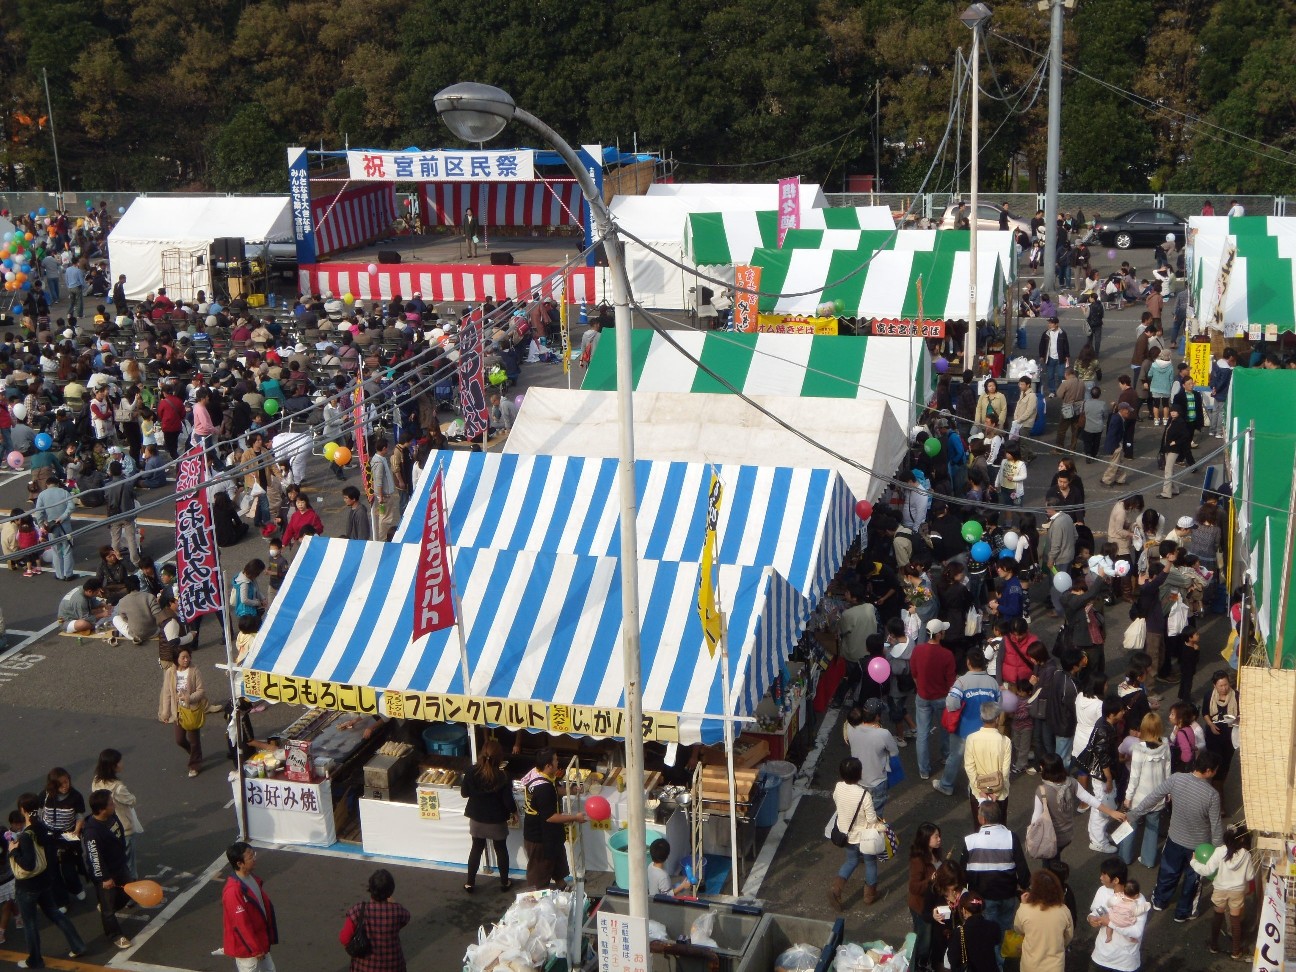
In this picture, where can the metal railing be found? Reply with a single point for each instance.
(932, 205)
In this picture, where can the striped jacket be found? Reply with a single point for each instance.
(995, 863)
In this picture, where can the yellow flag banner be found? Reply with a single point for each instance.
(708, 608)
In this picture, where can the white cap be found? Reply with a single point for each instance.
(936, 626)
(1169, 237)
(1186, 523)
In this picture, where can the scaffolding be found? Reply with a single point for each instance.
(185, 272)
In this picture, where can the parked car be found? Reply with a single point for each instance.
(1141, 227)
(989, 218)
(280, 254)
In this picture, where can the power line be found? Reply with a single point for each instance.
(781, 158)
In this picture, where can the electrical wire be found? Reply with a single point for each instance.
(1039, 77)
(781, 158)
(1004, 96)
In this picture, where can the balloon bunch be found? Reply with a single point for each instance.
(15, 260)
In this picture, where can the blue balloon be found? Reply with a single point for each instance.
(981, 551)
(1006, 554)
(43, 442)
(26, 285)
(43, 211)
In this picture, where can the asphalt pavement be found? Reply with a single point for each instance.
(67, 700)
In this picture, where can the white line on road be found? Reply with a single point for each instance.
(122, 959)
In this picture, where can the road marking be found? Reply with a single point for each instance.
(69, 965)
(122, 959)
(760, 868)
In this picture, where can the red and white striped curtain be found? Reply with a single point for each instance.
(353, 217)
(545, 202)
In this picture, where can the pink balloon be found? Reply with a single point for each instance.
(879, 670)
(1008, 701)
(373, 268)
(15, 460)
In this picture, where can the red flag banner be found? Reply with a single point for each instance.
(199, 588)
(746, 303)
(789, 211)
(472, 383)
(362, 441)
(433, 599)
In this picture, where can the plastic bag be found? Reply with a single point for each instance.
(700, 931)
(852, 958)
(657, 932)
(798, 958)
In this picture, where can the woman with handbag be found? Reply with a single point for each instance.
(861, 836)
(188, 700)
(1055, 810)
(371, 932)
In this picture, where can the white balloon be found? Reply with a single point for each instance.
(1011, 539)
(1062, 582)
(1122, 568)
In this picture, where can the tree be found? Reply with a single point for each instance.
(248, 155)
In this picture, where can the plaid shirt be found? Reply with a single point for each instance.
(383, 921)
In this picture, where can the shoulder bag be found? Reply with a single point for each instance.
(191, 719)
(20, 872)
(358, 946)
(950, 719)
(836, 835)
(1041, 836)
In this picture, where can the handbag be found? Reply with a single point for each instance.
(873, 842)
(1041, 835)
(358, 945)
(1069, 410)
(950, 720)
(972, 623)
(1012, 944)
(20, 872)
(1135, 635)
(839, 837)
(895, 772)
(1096, 633)
(191, 720)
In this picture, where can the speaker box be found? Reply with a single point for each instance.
(389, 256)
(227, 249)
(501, 259)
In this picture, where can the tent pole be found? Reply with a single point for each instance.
(1288, 543)
(729, 753)
(463, 641)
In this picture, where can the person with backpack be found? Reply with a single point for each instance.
(371, 932)
(1183, 738)
(34, 884)
(962, 715)
(1055, 810)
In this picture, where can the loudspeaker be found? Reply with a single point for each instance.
(227, 249)
(389, 256)
(501, 259)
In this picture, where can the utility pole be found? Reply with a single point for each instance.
(975, 18)
(1054, 140)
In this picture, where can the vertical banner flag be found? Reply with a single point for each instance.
(472, 387)
(299, 192)
(746, 303)
(199, 587)
(1270, 948)
(433, 600)
(564, 323)
(789, 208)
(361, 439)
(708, 608)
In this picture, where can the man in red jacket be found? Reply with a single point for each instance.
(932, 667)
(171, 416)
(249, 916)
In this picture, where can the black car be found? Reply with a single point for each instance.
(1142, 227)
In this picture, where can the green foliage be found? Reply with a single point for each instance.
(248, 155)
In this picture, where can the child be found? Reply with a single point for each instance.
(148, 427)
(1183, 741)
(1023, 726)
(276, 565)
(1229, 870)
(1125, 908)
(28, 539)
(973, 943)
(658, 880)
(9, 538)
(248, 626)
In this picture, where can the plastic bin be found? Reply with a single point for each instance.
(767, 812)
(777, 933)
(784, 772)
(618, 844)
(446, 739)
(733, 930)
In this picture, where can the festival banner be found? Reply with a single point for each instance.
(1270, 950)
(1199, 361)
(472, 381)
(433, 598)
(510, 165)
(789, 211)
(906, 327)
(745, 307)
(362, 439)
(795, 324)
(708, 605)
(299, 192)
(199, 588)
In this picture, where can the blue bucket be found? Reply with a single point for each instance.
(446, 739)
(767, 813)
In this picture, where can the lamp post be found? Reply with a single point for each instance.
(1055, 8)
(478, 113)
(974, 17)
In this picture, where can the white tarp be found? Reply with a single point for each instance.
(154, 224)
(754, 195)
(720, 429)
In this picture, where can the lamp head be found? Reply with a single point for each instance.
(474, 112)
(975, 16)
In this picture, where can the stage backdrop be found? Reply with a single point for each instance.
(545, 202)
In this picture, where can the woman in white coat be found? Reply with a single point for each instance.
(1149, 768)
(858, 821)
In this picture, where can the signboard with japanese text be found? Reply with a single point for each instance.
(789, 209)
(362, 439)
(292, 690)
(199, 588)
(1199, 362)
(795, 324)
(282, 795)
(429, 804)
(622, 943)
(906, 327)
(746, 312)
(472, 378)
(578, 720)
(299, 193)
(1270, 951)
(508, 165)
(433, 598)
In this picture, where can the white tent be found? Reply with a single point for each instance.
(719, 429)
(188, 225)
(753, 195)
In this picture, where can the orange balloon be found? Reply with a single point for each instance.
(342, 456)
(147, 894)
(29, 237)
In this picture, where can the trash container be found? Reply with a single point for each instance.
(618, 844)
(771, 788)
(732, 931)
(784, 773)
(777, 933)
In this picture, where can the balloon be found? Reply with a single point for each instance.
(879, 669)
(932, 446)
(981, 551)
(348, 299)
(1203, 852)
(15, 460)
(330, 450)
(438, 332)
(1122, 568)
(372, 268)
(1061, 582)
(972, 531)
(1005, 554)
(121, 210)
(941, 366)
(863, 509)
(1011, 539)
(597, 808)
(43, 211)
(518, 401)
(342, 456)
(271, 406)
(1008, 701)
(147, 894)
(43, 442)
(89, 204)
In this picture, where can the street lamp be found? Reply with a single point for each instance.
(975, 18)
(478, 113)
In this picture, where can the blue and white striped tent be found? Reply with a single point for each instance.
(540, 625)
(800, 522)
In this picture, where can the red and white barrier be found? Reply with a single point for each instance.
(358, 217)
(448, 282)
(545, 202)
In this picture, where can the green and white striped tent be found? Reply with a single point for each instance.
(896, 370)
(1261, 283)
(728, 238)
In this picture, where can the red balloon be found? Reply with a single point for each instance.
(597, 808)
(863, 509)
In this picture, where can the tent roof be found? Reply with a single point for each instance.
(730, 236)
(569, 504)
(540, 627)
(257, 219)
(671, 426)
(763, 194)
(888, 369)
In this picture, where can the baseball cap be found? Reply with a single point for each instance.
(1186, 523)
(872, 707)
(936, 626)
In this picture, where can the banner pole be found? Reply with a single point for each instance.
(729, 750)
